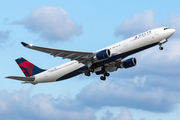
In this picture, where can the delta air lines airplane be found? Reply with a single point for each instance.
(102, 62)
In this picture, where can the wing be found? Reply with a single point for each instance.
(82, 57)
(21, 78)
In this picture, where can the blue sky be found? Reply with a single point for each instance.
(148, 91)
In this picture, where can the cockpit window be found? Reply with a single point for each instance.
(166, 28)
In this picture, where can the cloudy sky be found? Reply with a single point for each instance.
(148, 91)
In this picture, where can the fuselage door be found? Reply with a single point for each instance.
(156, 32)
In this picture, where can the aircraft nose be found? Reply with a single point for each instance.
(169, 32)
(173, 31)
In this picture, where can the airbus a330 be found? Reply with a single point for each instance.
(100, 62)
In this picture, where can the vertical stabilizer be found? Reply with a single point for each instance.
(28, 68)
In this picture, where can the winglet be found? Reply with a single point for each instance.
(24, 44)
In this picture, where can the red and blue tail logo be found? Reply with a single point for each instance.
(28, 68)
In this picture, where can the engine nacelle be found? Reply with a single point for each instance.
(103, 54)
(128, 63)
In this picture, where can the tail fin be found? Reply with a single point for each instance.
(28, 68)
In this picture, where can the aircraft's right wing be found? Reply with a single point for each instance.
(21, 78)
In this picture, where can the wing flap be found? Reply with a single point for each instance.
(22, 78)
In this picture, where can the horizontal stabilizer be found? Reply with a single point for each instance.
(22, 78)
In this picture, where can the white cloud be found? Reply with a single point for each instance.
(19, 105)
(138, 23)
(52, 23)
(124, 115)
(108, 116)
(121, 93)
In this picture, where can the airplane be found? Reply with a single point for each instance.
(101, 62)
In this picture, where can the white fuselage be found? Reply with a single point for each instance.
(127, 47)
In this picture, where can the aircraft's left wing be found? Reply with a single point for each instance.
(82, 57)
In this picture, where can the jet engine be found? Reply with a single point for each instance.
(102, 54)
(128, 63)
